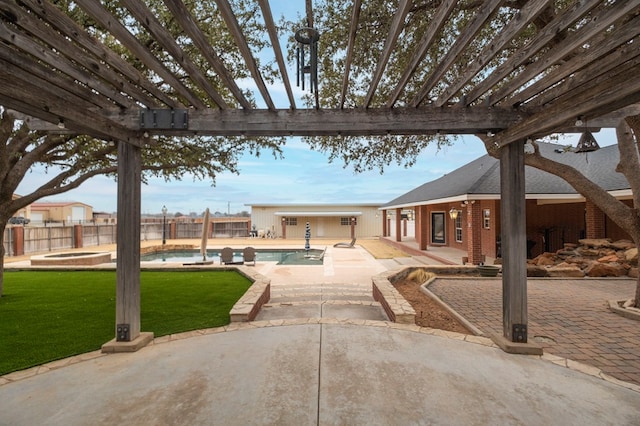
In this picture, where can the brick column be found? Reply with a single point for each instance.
(385, 229)
(474, 231)
(18, 240)
(173, 230)
(398, 224)
(424, 228)
(77, 236)
(595, 221)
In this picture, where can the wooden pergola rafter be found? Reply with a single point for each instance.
(110, 72)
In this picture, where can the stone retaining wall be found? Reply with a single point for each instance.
(248, 306)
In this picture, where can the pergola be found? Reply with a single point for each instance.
(578, 62)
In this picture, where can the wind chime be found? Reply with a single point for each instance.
(307, 58)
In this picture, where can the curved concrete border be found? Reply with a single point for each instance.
(72, 259)
(614, 306)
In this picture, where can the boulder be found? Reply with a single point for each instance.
(598, 269)
(595, 242)
(565, 270)
(631, 256)
(545, 261)
(609, 258)
(623, 245)
(633, 272)
(536, 271)
(588, 252)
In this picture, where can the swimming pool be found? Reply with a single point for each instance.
(281, 256)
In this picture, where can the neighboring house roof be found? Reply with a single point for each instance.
(45, 205)
(480, 179)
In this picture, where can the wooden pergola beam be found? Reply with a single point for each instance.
(526, 53)
(148, 20)
(353, 29)
(528, 13)
(570, 46)
(615, 90)
(97, 12)
(277, 50)
(438, 21)
(563, 72)
(233, 26)
(70, 30)
(397, 25)
(485, 10)
(191, 28)
(336, 122)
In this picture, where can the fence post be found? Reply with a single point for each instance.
(77, 236)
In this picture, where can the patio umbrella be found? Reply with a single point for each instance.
(307, 236)
(205, 235)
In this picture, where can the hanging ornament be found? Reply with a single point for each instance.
(307, 56)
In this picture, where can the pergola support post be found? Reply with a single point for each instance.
(514, 249)
(128, 336)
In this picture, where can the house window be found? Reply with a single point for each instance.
(486, 218)
(346, 221)
(459, 228)
(291, 221)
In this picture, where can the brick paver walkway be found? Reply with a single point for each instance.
(569, 318)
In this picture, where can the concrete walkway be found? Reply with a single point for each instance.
(317, 374)
(318, 371)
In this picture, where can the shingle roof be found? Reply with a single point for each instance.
(482, 176)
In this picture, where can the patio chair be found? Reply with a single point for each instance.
(226, 256)
(347, 245)
(249, 255)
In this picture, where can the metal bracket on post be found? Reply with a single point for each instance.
(122, 333)
(164, 119)
(519, 333)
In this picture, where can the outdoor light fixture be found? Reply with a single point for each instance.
(453, 213)
(61, 124)
(579, 121)
(490, 134)
(528, 147)
(587, 141)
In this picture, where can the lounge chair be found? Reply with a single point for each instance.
(226, 256)
(347, 245)
(249, 255)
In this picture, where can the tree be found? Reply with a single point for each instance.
(72, 160)
(627, 218)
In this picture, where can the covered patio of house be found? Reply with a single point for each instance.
(541, 73)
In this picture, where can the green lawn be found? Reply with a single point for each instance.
(46, 316)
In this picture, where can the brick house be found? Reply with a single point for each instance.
(462, 208)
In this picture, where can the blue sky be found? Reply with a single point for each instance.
(303, 176)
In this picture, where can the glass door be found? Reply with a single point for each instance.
(437, 228)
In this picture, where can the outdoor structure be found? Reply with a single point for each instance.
(26, 212)
(326, 220)
(544, 69)
(462, 208)
(65, 212)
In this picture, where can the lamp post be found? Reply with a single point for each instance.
(164, 222)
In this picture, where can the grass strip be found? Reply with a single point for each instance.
(49, 315)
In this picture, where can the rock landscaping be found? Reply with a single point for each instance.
(589, 258)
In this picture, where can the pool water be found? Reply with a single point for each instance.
(282, 256)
